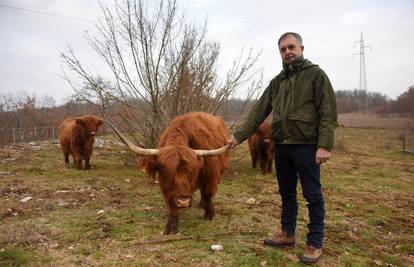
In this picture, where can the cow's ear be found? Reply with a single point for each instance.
(99, 123)
(79, 122)
(149, 165)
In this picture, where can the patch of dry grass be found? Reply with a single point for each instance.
(372, 120)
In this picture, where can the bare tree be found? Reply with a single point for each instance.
(161, 65)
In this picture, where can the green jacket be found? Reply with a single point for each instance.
(303, 104)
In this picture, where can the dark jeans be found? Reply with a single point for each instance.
(293, 161)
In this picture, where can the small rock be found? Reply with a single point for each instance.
(63, 204)
(263, 263)
(100, 212)
(127, 180)
(71, 247)
(25, 199)
(378, 262)
(217, 247)
(98, 142)
(114, 142)
(36, 147)
(251, 201)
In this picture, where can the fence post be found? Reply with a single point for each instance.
(53, 133)
(404, 139)
(14, 136)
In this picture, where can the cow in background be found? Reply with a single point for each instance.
(77, 136)
(261, 148)
(191, 153)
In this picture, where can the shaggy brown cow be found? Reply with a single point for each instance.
(261, 148)
(77, 136)
(186, 159)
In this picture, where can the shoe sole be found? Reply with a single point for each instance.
(308, 261)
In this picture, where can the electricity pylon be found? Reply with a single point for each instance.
(362, 72)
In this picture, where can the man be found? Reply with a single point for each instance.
(304, 120)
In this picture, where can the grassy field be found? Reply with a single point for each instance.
(113, 215)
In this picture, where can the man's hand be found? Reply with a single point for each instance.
(322, 155)
(233, 142)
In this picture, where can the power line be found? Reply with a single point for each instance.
(258, 22)
(235, 15)
(47, 13)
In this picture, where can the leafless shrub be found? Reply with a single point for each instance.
(161, 65)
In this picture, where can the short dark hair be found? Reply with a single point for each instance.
(294, 34)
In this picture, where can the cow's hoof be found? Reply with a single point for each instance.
(171, 228)
(209, 215)
(170, 231)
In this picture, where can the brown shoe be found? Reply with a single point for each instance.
(311, 255)
(280, 239)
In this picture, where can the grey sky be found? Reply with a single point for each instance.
(31, 42)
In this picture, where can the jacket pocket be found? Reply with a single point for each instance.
(276, 131)
(302, 129)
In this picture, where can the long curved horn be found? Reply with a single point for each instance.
(213, 152)
(136, 149)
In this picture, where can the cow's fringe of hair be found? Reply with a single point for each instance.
(174, 158)
(176, 144)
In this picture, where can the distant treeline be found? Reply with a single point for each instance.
(23, 110)
(356, 100)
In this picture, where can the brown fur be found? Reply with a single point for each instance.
(261, 148)
(77, 136)
(179, 171)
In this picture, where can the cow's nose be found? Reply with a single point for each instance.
(183, 202)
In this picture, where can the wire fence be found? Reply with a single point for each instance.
(407, 139)
(24, 135)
